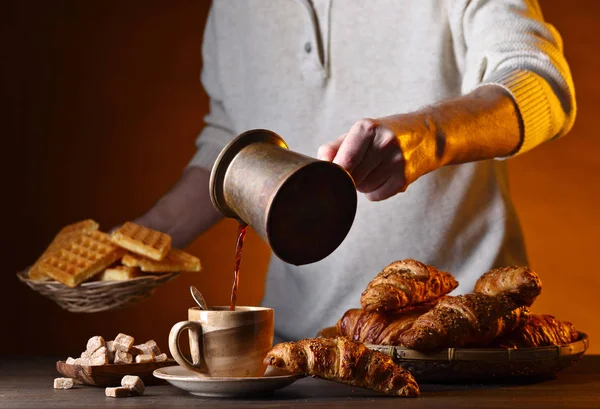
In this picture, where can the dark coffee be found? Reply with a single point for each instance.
(238, 258)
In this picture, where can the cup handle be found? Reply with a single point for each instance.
(195, 334)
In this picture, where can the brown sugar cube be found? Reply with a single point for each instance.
(118, 392)
(153, 347)
(84, 359)
(122, 357)
(144, 358)
(139, 350)
(134, 384)
(94, 343)
(123, 342)
(161, 358)
(110, 351)
(100, 357)
(149, 347)
(70, 361)
(63, 383)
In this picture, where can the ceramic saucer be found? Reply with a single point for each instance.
(202, 385)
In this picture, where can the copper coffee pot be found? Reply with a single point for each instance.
(302, 207)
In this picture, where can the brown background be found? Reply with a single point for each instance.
(101, 106)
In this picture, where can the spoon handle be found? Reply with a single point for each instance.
(197, 296)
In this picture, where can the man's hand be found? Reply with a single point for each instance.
(373, 154)
(385, 155)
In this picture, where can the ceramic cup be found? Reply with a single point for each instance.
(225, 343)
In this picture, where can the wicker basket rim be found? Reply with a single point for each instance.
(489, 354)
(23, 276)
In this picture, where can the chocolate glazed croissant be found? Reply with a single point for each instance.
(344, 361)
(406, 282)
(468, 319)
(539, 331)
(521, 284)
(379, 328)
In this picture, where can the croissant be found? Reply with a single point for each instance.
(380, 328)
(520, 284)
(472, 318)
(539, 331)
(344, 361)
(406, 282)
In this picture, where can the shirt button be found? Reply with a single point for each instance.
(308, 47)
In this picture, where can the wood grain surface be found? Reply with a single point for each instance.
(27, 382)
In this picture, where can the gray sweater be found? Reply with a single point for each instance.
(309, 69)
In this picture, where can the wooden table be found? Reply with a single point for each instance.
(26, 382)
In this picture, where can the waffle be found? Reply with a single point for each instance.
(64, 235)
(175, 261)
(81, 258)
(87, 225)
(119, 273)
(142, 240)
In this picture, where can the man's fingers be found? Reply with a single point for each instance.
(393, 168)
(374, 180)
(394, 185)
(382, 151)
(328, 151)
(355, 144)
(370, 162)
(372, 155)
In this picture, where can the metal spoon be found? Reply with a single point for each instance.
(197, 296)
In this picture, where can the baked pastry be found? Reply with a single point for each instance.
(142, 240)
(81, 258)
(454, 322)
(406, 282)
(175, 261)
(539, 331)
(119, 273)
(344, 361)
(521, 284)
(379, 328)
(66, 234)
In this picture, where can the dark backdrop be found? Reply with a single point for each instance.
(101, 104)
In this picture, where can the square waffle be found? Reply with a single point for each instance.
(119, 273)
(81, 227)
(142, 240)
(175, 261)
(81, 258)
(62, 237)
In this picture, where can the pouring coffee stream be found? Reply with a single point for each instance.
(301, 207)
(236, 269)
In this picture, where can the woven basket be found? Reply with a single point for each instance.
(450, 365)
(96, 296)
(456, 365)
